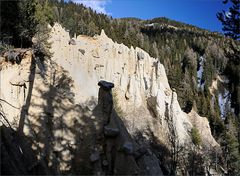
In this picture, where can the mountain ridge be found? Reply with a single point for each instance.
(71, 76)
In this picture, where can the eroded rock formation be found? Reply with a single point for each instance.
(141, 84)
(125, 127)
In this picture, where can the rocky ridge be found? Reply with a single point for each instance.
(141, 84)
(58, 105)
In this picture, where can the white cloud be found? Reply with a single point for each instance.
(98, 5)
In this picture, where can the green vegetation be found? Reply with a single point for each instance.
(231, 19)
(230, 146)
(23, 20)
(196, 138)
(231, 25)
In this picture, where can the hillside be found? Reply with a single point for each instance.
(176, 92)
(55, 96)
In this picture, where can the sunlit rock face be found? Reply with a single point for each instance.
(57, 103)
(141, 85)
(37, 100)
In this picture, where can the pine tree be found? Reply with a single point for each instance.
(229, 142)
(231, 19)
(28, 21)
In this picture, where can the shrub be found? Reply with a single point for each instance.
(196, 138)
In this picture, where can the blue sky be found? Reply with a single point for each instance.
(201, 13)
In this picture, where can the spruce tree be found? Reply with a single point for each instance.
(231, 19)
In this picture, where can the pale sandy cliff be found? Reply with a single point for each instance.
(58, 100)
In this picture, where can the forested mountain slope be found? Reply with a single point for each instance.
(202, 66)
